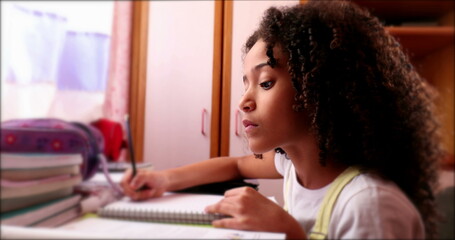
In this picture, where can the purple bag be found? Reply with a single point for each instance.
(50, 135)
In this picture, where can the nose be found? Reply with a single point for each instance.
(247, 104)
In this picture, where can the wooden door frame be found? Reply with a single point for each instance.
(138, 77)
(221, 76)
(224, 72)
(137, 94)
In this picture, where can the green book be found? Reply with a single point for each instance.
(33, 214)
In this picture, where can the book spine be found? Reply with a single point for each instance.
(60, 218)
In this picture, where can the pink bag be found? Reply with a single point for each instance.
(50, 135)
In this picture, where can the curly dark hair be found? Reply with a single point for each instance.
(366, 103)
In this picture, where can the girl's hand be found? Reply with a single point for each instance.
(252, 211)
(146, 184)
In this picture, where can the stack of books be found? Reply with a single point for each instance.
(37, 189)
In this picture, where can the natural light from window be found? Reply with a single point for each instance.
(55, 58)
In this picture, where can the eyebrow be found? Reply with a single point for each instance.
(256, 68)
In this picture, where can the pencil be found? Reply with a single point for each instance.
(130, 144)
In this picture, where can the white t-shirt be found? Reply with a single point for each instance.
(367, 208)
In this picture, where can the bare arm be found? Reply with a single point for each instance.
(208, 171)
(222, 169)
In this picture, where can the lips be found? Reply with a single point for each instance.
(249, 126)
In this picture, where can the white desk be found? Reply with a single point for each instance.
(91, 228)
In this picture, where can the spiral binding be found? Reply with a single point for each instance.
(150, 215)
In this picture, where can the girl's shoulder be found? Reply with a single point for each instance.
(372, 188)
(377, 206)
(368, 182)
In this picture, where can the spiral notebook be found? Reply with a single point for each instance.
(183, 208)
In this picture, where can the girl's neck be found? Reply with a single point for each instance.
(310, 173)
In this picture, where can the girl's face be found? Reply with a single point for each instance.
(269, 119)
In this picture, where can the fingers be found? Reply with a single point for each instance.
(247, 208)
(146, 184)
(142, 195)
(232, 223)
(125, 182)
(225, 206)
(131, 185)
(235, 202)
(239, 191)
(126, 178)
(138, 181)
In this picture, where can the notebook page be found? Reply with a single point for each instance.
(172, 202)
(118, 229)
(15, 232)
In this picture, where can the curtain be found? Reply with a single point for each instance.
(55, 59)
(32, 42)
(117, 91)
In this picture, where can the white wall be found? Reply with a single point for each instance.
(179, 82)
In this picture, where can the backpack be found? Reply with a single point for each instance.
(113, 137)
(51, 135)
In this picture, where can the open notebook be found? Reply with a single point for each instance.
(149, 218)
(184, 208)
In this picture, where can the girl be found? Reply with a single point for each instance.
(326, 89)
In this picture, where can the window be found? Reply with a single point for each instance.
(55, 59)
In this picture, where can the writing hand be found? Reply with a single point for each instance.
(146, 184)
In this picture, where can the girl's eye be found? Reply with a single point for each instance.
(266, 85)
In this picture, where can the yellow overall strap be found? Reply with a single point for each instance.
(321, 226)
